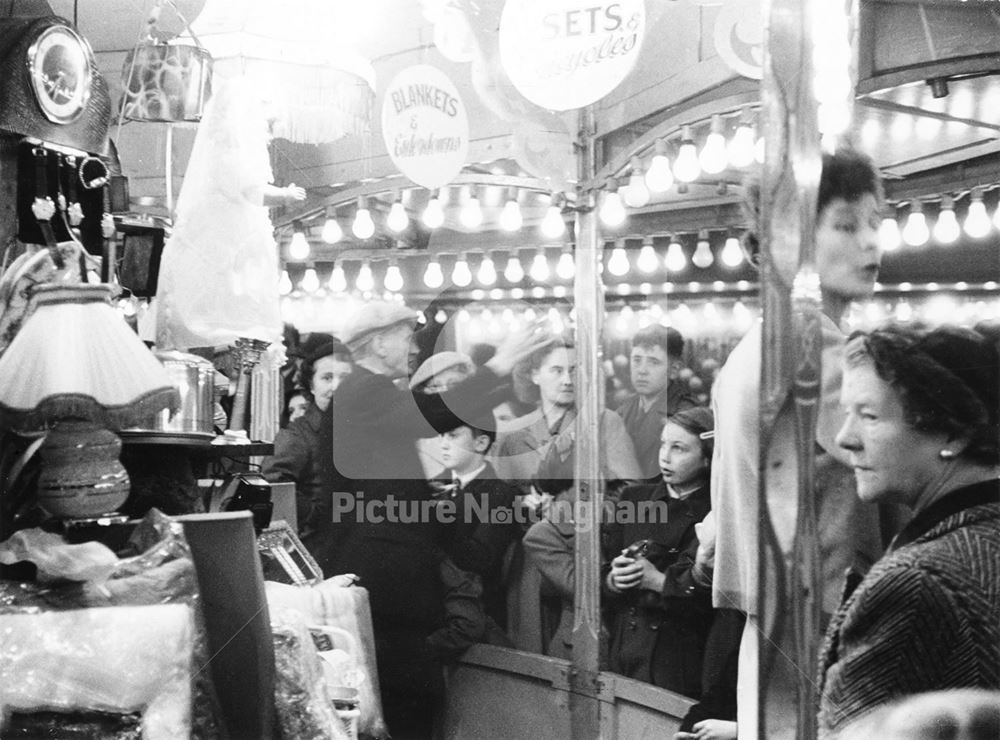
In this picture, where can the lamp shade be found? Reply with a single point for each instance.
(75, 357)
(298, 53)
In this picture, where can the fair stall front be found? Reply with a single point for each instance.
(579, 166)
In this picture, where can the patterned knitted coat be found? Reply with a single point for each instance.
(925, 617)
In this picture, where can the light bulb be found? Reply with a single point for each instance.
(759, 150)
(338, 281)
(397, 220)
(487, 273)
(471, 214)
(510, 216)
(647, 261)
(915, 232)
(553, 225)
(565, 267)
(618, 264)
(731, 254)
(363, 226)
(539, 267)
(740, 148)
(686, 166)
(556, 321)
(888, 234)
(612, 210)
(703, 256)
(365, 281)
(513, 272)
(675, 259)
(977, 223)
(946, 228)
(441, 317)
(433, 216)
(433, 277)
(659, 176)
(284, 283)
(393, 279)
(310, 281)
(461, 275)
(713, 155)
(332, 233)
(298, 248)
(637, 192)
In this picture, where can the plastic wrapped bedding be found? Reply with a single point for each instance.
(117, 659)
(127, 626)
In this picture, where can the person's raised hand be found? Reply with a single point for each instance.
(518, 346)
(294, 193)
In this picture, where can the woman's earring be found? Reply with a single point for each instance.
(946, 454)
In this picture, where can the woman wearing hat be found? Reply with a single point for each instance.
(295, 459)
(661, 617)
(921, 430)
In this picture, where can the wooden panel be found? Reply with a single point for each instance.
(498, 693)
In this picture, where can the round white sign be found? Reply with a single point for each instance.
(564, 54)
(425, 126)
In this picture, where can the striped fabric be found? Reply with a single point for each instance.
(926, 617)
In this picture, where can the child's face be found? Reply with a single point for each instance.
(681, 459)
(297, 406)
(460, 450)
(847, 247)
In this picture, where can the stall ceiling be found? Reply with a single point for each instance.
(906, 129)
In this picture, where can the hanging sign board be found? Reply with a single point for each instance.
(565, 54)
(425, 126)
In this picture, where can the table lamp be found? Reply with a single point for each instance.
(78, 371)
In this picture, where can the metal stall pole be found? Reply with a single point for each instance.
(789, 589)
(588, 299)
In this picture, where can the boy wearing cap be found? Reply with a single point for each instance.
(654, 362)
(438, 373)
(483, 527)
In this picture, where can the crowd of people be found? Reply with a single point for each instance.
(412, 474)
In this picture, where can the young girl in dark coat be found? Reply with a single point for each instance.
(660, 617)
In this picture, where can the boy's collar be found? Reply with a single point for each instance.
(463, 480)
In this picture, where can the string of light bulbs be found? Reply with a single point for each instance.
(536, 263)
(676, 161)
(947, 227)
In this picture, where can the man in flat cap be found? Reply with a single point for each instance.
(390, 545)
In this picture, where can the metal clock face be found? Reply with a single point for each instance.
(59, 69)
